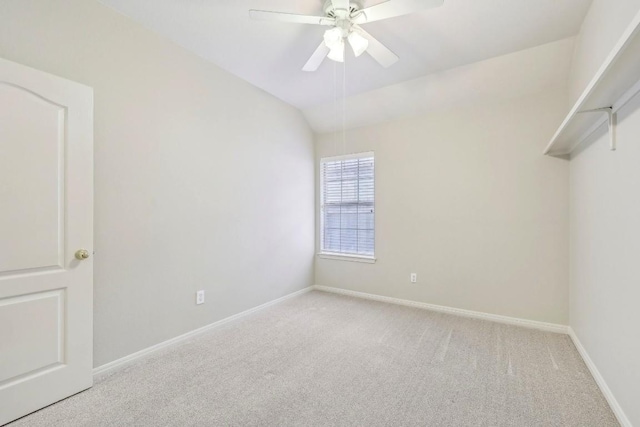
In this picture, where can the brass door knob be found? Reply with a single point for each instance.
(82, 254)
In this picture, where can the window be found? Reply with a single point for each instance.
(347, 205)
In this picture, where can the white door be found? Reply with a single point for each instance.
(46, 215)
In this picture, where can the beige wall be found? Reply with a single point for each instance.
(605, 223)
(193, 175)
(605, 254)
(465, 199)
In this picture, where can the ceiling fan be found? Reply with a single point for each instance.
(345, 17)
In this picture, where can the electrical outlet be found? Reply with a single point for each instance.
(200, 297)
(414, 278)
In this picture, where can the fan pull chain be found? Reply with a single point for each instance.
(344, 105)
(336, 107)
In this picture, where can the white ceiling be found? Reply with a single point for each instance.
(270, 55)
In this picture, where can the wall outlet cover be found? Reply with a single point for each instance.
(200, 297)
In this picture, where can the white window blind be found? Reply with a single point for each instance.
(347, 205)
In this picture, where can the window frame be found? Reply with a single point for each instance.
(344, 256)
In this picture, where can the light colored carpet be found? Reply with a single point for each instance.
(322, 359)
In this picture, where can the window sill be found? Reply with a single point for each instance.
(345, 257)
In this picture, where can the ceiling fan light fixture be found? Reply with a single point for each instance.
(333, 37)
(358, 43)
(337, 51)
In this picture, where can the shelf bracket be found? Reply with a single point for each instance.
(612, 122)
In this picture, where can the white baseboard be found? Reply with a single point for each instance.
(130, 358)
(613, 403)
(534, 324)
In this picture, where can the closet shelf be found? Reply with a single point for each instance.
(615, 83)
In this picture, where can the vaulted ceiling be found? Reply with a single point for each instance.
(270, 55)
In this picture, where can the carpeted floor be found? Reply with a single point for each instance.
(322, 359)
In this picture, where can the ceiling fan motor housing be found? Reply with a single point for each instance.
(343, 17)
(340, 14)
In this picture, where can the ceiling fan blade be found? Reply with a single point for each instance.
(265, 15)
(393, 8)
(377, 50)
(316, 58)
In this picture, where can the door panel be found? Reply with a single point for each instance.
(22, 357)
(46, 214)
(32, 157)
